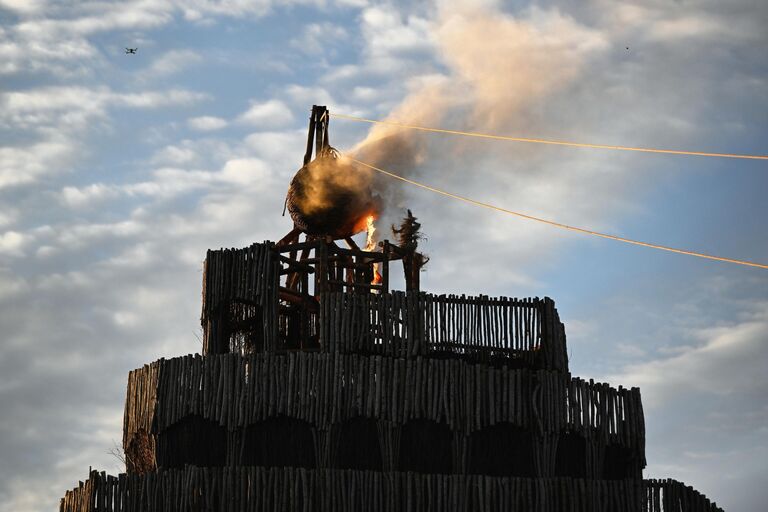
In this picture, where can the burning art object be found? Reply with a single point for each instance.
(330, 196)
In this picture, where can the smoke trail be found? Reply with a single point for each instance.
(498, 66)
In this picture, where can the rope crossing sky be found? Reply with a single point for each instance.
(556, 224)
(552, 142)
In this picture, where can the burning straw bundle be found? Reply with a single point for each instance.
(331, 196)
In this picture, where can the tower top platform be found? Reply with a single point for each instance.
(256, 300)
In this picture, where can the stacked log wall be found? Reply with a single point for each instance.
(279, 489)
(468, 368)
(481, 328)
(326, 389)
(248, 277)
(398, 324)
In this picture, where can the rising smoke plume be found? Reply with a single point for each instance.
(498, 68)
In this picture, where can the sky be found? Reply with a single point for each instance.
(118, 171)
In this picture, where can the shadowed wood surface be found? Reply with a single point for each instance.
(325, 390)
(282, 489)
(242, 312)
(373, 400)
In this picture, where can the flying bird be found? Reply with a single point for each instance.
(131, 50)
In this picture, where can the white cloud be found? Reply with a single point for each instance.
(85, 197)
(23, 6)
(391, 36)
(246, 171)
(320, 37)
(238, 174)
(197, 153)
(76, 107)
(729, 360)
(8, 216)
(37, 106)
(704, 401)
(243, 173)
(107, 18)
(207, 123)
(56, 118)
(46, 251)
(365, 94)
(270, 113)
(154, 99)
(172, 62)
(12, 243)
(688, 27)
(170, 182)
(351, 3)
(197, 10)
(39, 53)
(22, 165)
(303, 97)
(52, 37)
(77, 236)
(276, 146)
(11, 285)
(140, 256)
(175, 155)
(66, 282)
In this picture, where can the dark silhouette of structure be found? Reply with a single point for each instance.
(318, 389)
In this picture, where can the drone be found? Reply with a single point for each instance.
(131, 50)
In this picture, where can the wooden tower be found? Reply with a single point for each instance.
(321, 389)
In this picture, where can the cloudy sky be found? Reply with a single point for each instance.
(118, 171)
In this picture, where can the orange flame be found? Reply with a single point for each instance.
(362, 223)
(370, 245)
(370, 229)
(377, 279)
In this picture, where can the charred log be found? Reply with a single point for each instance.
(408, 237)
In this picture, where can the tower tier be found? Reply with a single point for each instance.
(287, 489)
(349, 411)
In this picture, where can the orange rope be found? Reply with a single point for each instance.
(554, 142)
(558, 224)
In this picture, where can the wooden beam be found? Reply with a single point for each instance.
(292, 236)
